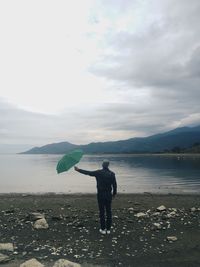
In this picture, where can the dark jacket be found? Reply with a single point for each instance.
(106, 181)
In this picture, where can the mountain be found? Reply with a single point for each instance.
(56, 148)
(183, 137)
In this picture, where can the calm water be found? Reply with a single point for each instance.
(135, 174)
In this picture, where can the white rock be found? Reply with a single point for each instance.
(36, 216)
(193, 209)
(130, 209)
(171, 214)
(4, 258)
(65, 263)
(7, 247)
(172, 238)
(31, 263)
(41, 224)
(157, 225)
(140, 215)
(161, 208)
(174, 209)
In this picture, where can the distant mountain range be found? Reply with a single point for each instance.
(184, 138)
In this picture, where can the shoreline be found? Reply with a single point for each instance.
(46, 194)
(73, 231)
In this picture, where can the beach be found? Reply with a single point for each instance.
(148, 230)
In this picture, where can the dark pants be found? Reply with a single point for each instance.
(104, 202)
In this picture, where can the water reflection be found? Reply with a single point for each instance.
(135, 173)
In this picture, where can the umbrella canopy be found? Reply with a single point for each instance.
(69, 160)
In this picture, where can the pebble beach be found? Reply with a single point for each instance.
(148, 230)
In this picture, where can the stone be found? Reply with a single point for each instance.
(34, 216)
(65, 263)
(41, 224)
(157, 226)
(193, 209)
(31, 263)
(172, 238)
(7, 247)
(140, 215)
(171, 214)
(131, 209)
(174, 209)
(156, 214)
(9, 211)
(161, 208)
(4, 258)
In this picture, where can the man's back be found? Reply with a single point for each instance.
(106, 181)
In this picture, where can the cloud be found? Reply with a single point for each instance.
(129, 68)
(160, 59)
(18, 126)
(160, 55)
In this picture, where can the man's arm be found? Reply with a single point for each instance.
(90, 173)
(114, 184)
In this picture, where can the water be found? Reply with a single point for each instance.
(134, 173)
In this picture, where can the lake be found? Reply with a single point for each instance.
(134, 173)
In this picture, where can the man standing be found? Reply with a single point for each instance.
(106, 190)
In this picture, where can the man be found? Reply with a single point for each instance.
(106, 190)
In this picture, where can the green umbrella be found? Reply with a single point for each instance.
(69, 160)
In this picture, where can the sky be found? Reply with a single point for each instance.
(97, 70)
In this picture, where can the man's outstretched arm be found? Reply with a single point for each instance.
(91, 173)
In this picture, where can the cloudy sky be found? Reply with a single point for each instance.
(97, 70)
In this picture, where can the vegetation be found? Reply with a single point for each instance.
(194, 149)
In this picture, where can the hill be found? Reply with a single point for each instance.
(183, 138)
(56, 148)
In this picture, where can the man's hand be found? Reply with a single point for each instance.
(76, 168)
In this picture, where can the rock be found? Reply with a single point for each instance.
(131, 209)
(140, 215)
(161, 208)
(156, 214)
(9, 211)
(171, 214)
(65, 263)
(157, 226)
(41, 224)
(174, 209)
(193, 209)
(172, 238)
(34, 216)
(31, 263)
(7, 247)
(4, 258)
